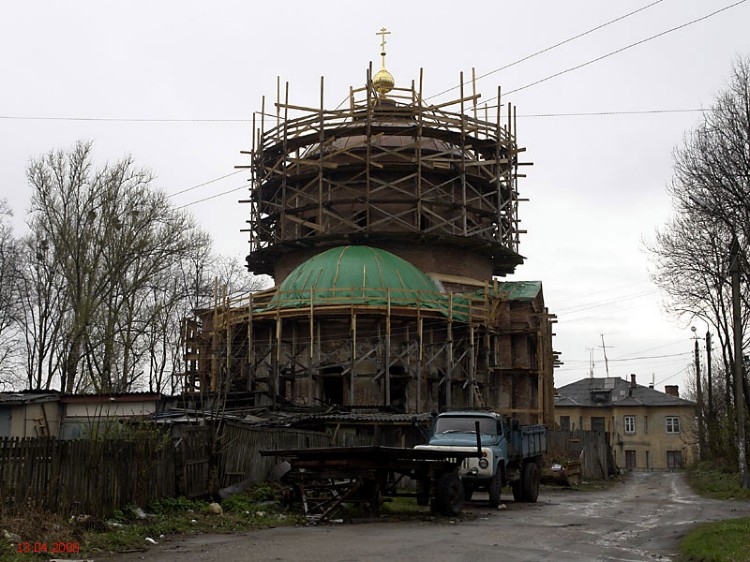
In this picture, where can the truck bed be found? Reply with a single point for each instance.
(530, 441)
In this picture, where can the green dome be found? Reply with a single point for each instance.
(357, 275)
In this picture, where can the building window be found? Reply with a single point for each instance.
(598, 424)
(673, 424)
(629, 424)
(565, 422)
(645, 425)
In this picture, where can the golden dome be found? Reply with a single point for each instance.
(383, 82)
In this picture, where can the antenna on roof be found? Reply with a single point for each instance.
(591, 361)
(606, 362)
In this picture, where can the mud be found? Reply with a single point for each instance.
(641, 518)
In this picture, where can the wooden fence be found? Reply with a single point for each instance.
(239, 459)
(98, 476)
(592, 448)
(92, 476)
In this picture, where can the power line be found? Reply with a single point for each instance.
(561, 43)
(118, 119)
(650, 357)
(614, 113)
(604, 113)
(627, 360)
(244, 186)
(205, 183)
(620, 50)
(573, 309)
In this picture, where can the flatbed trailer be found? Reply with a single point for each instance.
(326, 478)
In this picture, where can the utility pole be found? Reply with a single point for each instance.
(701, 438)
(739, 399)
(710, 381)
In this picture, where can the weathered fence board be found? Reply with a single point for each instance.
(92, 476)
(193, 452)
(99, 476)
(239, 459)
(592, 448)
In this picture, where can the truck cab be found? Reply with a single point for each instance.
(510, 453)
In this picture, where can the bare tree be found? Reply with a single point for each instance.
(710, 190)
(233, 275)
(43, 314)
(9, 309)
(111, 237)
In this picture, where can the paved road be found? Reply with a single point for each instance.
(639, 519)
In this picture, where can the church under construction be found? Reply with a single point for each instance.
(388, 226)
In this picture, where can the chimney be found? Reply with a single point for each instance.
(632, 381)
(672, 390)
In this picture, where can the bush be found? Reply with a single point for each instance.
(715, 482)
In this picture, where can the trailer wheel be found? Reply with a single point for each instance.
(530, 482)
(423, 491)
(495, 486)
(449, 494)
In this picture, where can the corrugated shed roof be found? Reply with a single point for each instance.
(612, 391)
(21, 398)
(374, 417)
(114, 397)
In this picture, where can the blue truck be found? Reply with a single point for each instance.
(511, 454)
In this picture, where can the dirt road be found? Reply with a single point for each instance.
(642, 518)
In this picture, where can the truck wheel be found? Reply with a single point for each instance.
(530, 482)
(449, 496)
(494, 488)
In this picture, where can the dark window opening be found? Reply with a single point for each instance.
(598, 424)
(398, 384)
(674, 460)
(332, 385)
(360, 219)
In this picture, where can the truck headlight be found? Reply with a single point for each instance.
(483, 463)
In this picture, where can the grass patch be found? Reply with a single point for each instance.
(710, 481)
(722, 541)
(402, 505)
(126, 531)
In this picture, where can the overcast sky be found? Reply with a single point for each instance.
(175, 84)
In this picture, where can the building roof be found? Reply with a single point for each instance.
(520, 290)
(27, 397)
(113, 397)
(613, 391)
